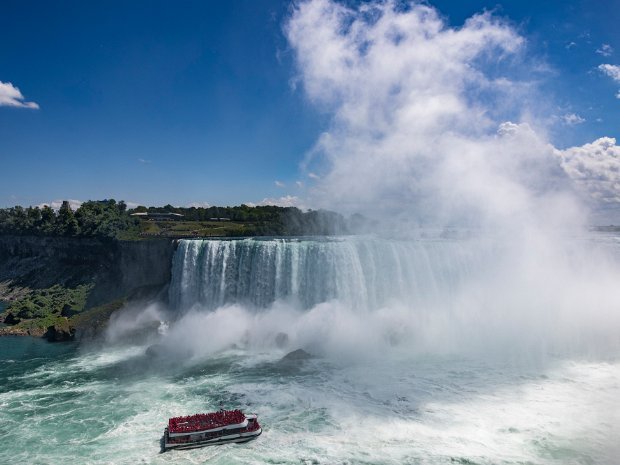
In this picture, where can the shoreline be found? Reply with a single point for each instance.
(7, 331)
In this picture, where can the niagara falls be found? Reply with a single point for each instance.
(389, 231)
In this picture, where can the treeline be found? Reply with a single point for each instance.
(267, 220)
(99, 218)
(112, 219)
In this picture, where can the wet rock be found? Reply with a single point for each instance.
(60, 333)
(296, 355)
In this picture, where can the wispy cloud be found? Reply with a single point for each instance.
(313, 176)
(572, 119)
(284, 201)
(144, 161)
(198, 205)
(613, 71)
(605, 50)
(279, 184)
(299, 184)
(56, 204)
(11, 96)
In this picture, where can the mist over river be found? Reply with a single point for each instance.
(427, 350)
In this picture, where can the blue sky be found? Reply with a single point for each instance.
(180, 102)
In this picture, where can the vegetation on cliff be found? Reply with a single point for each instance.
(48, 312)
(54, 301)
(60, 317)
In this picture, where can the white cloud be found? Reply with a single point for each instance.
(572, 119)
(75, 204)
(595, 168)
(605, 50)
(279, 184)
(299, 184)
(313, 176)
(11, 96)
(613, 71)
(570, 45)
(198, 205)
(285, 201)
(56, 204)
(144, 161)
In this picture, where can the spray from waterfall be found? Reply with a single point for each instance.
(429, 125)
(369, 296)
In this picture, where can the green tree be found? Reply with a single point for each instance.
(66, 223)
(48, 220)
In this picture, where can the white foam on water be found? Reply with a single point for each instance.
(94, 360)
(400, 410)
(567, 416)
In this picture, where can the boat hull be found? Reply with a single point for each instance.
(229, 439)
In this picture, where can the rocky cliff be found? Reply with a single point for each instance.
(46, 281)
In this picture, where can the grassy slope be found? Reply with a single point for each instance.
(193, 228)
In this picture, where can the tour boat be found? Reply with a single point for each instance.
(206, 429)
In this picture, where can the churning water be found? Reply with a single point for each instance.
(427, 351)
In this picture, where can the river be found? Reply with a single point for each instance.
(411, 361)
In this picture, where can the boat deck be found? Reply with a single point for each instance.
(206, 421)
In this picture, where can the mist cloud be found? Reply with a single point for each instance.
(427, 120)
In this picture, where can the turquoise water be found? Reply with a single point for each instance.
(61, 404)
(427, 352)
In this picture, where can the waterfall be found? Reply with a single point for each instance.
(363, 272)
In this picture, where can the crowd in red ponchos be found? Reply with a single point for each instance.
(205, 421)
(252, 426)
